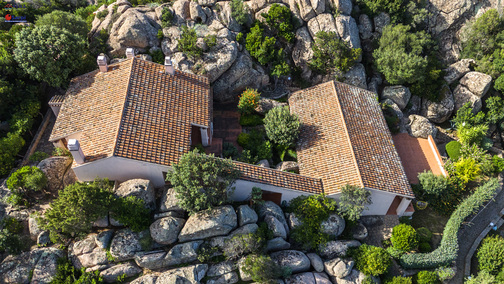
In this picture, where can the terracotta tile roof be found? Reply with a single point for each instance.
(279, 178)
(159, 111)
(57, 100)
(135, 111)
(345, 140)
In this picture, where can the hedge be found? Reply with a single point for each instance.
(453, 150)
(448, 249)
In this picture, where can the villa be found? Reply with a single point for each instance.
(135, 118)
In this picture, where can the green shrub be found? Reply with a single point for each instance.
(424, 234)
(131, 212)
(498, 164)
(86, 13)
(166, 17)
(311, 211)
(10, 236)
(372, 260)
(445, 273)
(500, 277)
(187, 43)
(427, 277)
(399, 280)
(395, 8)
(239, 11)
(259, 46)
(243, 139)
(256, 196)
(239, 37)
(433, 184)
(262, 269)
(160, 34)
(424, 247)
(453, 150)
(102, 14)
(10, 146)
(466, 169)
(466, 118)
(281, 126)
(483, 278)
(472, 134)
(229, 150)
(61, 152)
(248, 101)
(210, 40)
(402, 54)
(66, 273)
(27, 178)
(394, 253)
(38, 156)
(201, 181)
(241, 245)
(157, 55)
(404, 237)
(491, 254)
(353, 200)
(279, 21)
(448, 249)
(265, 151)
(247, 157)
(251, 120)
(206, 252)
(330, 53)
(482, 158)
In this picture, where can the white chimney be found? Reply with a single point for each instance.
(130, 52)
(76, 151)
(102, 63)
(169, 66)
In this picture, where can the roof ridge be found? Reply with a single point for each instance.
(343, 120)
(133, 62)
(279, 171)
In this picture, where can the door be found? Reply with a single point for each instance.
(272, 196)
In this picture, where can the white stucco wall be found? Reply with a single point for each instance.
(381, 202)
(121, 169)
(243, 189)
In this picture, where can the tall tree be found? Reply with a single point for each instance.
(49, 54)
(64, 20)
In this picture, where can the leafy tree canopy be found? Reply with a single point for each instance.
(402, 55)
(353, 201)
(49, 54)
(202, 181)
(330, 53)
(281, 126)
(64, 20)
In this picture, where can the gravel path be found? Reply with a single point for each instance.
(470, 232)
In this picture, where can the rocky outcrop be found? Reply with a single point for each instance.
(270, 208)
(179, 254)
(54, 168)
(111, 274)
(242, 74)
(441, 111)
(277, 244)
(216, 222)
(359, 232)
(339, 268)
(445, 13)
(365, 26)
(344, 7)
(316, 262)
(334, 225)
(224, 16)
(380, 21)
(305, 9)
(322, 22)
(295, 260)
(398, 94)
(38, 265)
(165, 230)
(276, 227)
(169, 201)
(348, 30)
(301, 278)
(477, 83)
(246, 215)
(287, 166)
(146, 279)
(462, 95)
(458, 69)
(133, 29)
(356, 76)
(126, 244)
(354, 277)
(421, 127)
(335, 249)
(266, 105)
(140, 188)
(189, 274)
(34, 228)
(86, 253)
(302, 52)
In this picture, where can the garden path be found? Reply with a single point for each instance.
(470, 232)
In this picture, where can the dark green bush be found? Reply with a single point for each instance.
(491, 254)
(453, 150)
(187, 43)
(262, 269)
(281, 126)
(38, 156)
(210, 40)
(448, 249)
(404, 237)
(239, 11)
(166, 17)
(251, 120)
(399, 280)
(395, 8)
(10, 146)
(66, 274)
(330, 53)
(102, 14)
(259, 46)
(311, 211)
(279, 21)
(11, 240)
(394, 253)
(433, 184)
(86, 13)
(23, 181)
(424, 247)
(372, 260)
(427, 277)
(157, 55)
(265, 151)
(353, 200)
(229, 150)
(424, 234)
(498, 164)
(131, 212)
(241, 245)
(243, 139)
